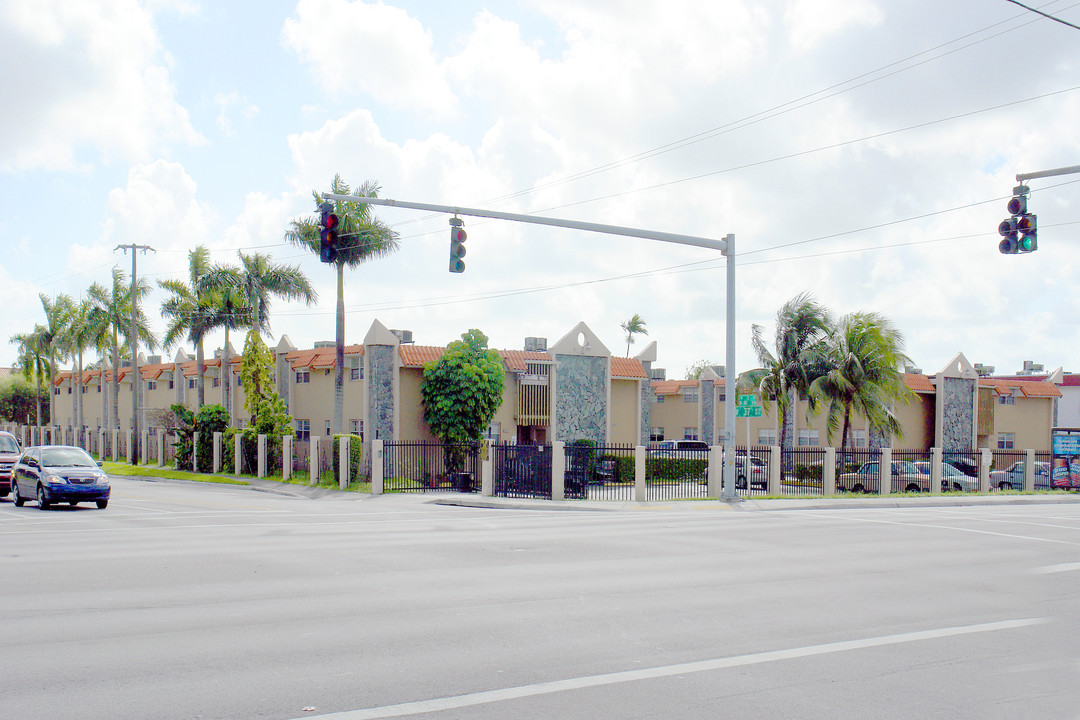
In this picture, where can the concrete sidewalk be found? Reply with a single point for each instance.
(749, 504)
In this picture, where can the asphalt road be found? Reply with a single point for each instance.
(200, 601)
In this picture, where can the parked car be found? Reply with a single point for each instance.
(677, 448)
(1012, 478)
(59, 473)
(9, 455)
(758, 473)
(951, 478)
(868, 478)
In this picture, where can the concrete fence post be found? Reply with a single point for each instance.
(714, 471)
(487, 470)
(378, 482)
(194, 452)
(161, 448)
(313, 459)
(640, 489)
(343, 461)
(260, 469)
(286, 456)
(1029, 471)
(936, 471)
(558, 470)
(773, 483)
(217, 453)
(238, 453)
(828, 473)
(986, 457)
(886, 472)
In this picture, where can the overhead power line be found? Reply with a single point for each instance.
(1045, 15)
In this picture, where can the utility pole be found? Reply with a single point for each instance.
(136, 379)
(725, 246)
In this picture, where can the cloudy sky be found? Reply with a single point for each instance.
(860, 150)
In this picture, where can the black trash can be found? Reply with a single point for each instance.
(463, 481)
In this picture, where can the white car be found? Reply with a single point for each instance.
(1012, 478)
(951, 478)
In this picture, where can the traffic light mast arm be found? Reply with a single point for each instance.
(1021, 177)
(710, 243)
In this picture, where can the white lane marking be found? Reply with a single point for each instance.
(1060, 567)
(523, 691)
(935, 526)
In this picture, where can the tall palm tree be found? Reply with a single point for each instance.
(57, 317)
(33, 360)
(865, 353)
(362, 237)
(191, 310)
(256, 280)
(81, 334)
(634, 326)
(802, 328)
(112, 310)
(230, 313)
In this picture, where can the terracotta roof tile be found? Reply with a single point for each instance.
(919, 383)
(627, 368)
(319, 358)
(672, 387)
(1029, 388)
(515, 359)
(419, 355)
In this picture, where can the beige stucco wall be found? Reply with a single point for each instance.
(674, 414)
(625, 424)
(1029, 418)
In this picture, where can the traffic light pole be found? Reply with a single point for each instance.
(726, 246)
(1021, 177)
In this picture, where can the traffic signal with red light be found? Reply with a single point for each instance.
(457, 245)
(328, 236)
(1019, 233)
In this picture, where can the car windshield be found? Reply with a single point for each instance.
(8, 444)
(66, 457)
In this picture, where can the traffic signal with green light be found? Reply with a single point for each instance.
(457, 245)
(1019, 233)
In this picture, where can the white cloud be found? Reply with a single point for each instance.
(370, 48)
(813, 22)
(89, 78)
(227, 105)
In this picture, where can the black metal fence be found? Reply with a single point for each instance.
(676, 474)
(426, 467)
(603, 472)
(801, 471)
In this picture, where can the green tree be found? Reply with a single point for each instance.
(81, 334)
(634, 326)
(57, 319)
(802, 329)
(258, 279)
(461, 392)
(33, 362)
(694, 369)
(256, 372)
(17, 399)
(112, 312)
(864, 355)
(362, 237)
(192, 311)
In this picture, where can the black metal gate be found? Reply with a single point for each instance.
(522, 470)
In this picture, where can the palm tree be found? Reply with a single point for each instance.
(112, 311)
(81, 334)
(865, 354)
(362, 237)
(192, 312)
(230, 313)
(57, 317)
(33, 360)
(634, 326)
(258, 278)
(802, 328)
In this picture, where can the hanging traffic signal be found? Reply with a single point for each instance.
(457, 245)
(1019, 232)
(328, 236)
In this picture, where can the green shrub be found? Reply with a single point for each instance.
(356, 453)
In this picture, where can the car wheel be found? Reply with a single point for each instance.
(15, 497)
(43, 502)
(102, 504)
(740, 482)
(858, 488)
(912, 487)
(1005, 486)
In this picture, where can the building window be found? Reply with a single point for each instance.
(1006, 400)
(690, 433)
(151, 384)
(690, 397)
(99, 388)
(356, 371)
(303, 376)
(656, 435)
(494, 432)
(355, 427)
(808, 437)
(659, 399)
(170, 384)
(83, 389)
(191, 383)
(239, 381)
(1006, 441)
(303, 430)
(56, 391)
(858, 438)
(215, 381)
(766, 436)
(327, 427)
(722, 397)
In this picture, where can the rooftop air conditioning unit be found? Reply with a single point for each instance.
(324, 344)
(154, 360)
(404, 336)
(535, 344)
(658, 374)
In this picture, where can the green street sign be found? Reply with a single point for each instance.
(747, 401)
(748, 411)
